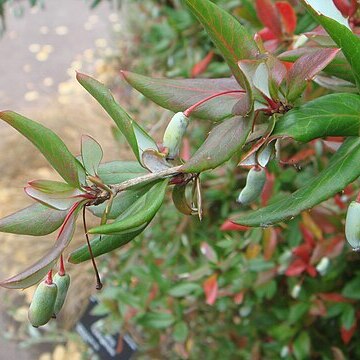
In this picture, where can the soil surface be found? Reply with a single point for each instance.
(38, 54)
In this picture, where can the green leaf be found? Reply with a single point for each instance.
(122, 202)
(229, 36)
(37, 271)
(352, 289)
(36, 220)
(341, 171)
(142, 211)
(180, 201)
(302, 346)
(298, 311)
(327, 15)
(180, 332)
(49, 186)
(184, 289)
(137, 138)
(156, 320)
(116, 172)
(178, 95)
(91, 154)
(48, 143)
(329, 115)
(104, 244)
(222, 143)
(348, 316)
(57, 200)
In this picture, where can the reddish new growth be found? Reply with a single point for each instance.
(49, 278)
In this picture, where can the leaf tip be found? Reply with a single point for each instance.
(6, 114)
(81, 76)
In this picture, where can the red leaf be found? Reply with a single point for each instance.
(297, 267)
(318, 308)
(202, 65)
(228, 225)
(307, 235)
(239, 298)
(268, 188)
(185, 150)
(339, 202)
(270, 242)
(303, 251)
(300, 156)
(311, 271)
(334, 246)
(333, 297)
(269, 16)
(210, 287)
(305, 68)
(266, 34)
(346, 335)
(346, 7)
(288, 16)
(208, 251)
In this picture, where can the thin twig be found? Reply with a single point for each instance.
(145, 178)
(99, 284)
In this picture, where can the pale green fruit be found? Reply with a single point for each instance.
(255, 182)
(63, 283)
(42, 305)
(352, 225)
(174, 134)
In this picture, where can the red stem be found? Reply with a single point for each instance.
(62, 266)
(49, 279)
(99, 284)
(189, 110)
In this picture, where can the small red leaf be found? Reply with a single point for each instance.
(346, 7)
(311, 271)
(333, 297)
(228, 225)
(266, 34)
(269, 16)
(305, 68)
(210, 287)
(239, 298)
(208, 252)
(301, 156)
(297, 267)
(346, 335)
(318, 308)
(288, 16)
(307, 235)
(268, 188)
(202, 65)
(186, 149)
(270, 242)
(303, 251)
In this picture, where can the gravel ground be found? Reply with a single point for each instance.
(38, 53)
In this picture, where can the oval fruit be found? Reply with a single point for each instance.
(63, 283)
(42, 305)
(255, 182)
(352, 225)
(174, 133)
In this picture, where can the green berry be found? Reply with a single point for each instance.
(42, 305)
(174, 133)
(352, 225)
(255, 182)
(63, 283)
